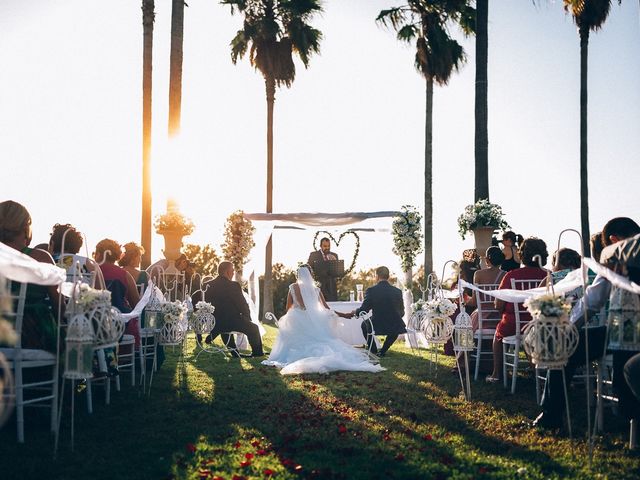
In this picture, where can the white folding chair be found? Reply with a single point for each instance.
(512, 345)
(488, 319)
(41, 393)
(127, 359)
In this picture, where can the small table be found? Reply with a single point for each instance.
(347, 329)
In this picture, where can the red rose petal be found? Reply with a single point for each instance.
(427, 437)
(190, 447)
(236, 445)
(245, 463)
(255, 443)
(261, 452)
(342, 428)
(268, 472)
(248, 456)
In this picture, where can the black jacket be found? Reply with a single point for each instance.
(386, 302)
(231, 307)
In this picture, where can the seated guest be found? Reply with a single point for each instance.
(491, 275)
(124, 293)
(130, 261)
(511, 243)
(529, 251)
(564, 261)
(39, 326)
(64, 244)
(591, 303)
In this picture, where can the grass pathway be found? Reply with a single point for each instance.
(235, 419)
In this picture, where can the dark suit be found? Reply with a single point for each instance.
(321, 271)
(231, 313)
(386, 303)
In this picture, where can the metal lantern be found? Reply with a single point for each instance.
(624, 320)
(108, 325)
(80, 343)
(202, 322)
(171, 333)
(550, 341)
(152, 315)
(437, 329)
(463, 333)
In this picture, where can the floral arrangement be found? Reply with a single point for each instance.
(419, 305)
(440, 307)
(407, 236)
(205, 307)
(238, 239)
(173, 311)
(481, 214)
(337, 242)
(173, 221)
(89, 298)
(547, 305)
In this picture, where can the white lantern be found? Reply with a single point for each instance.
(152, 315)
(108, 325)
(437, 329)
(463, 333)
(79, 348)
(171, 333)
(624, 320)
(550, 340)
(202, 322)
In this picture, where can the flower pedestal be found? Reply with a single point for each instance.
(172, 246)
(482, 237)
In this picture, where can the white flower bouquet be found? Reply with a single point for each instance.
(89, 298)
(238, 239)
(173, 222)
(204, 307)
(547, 305)
(481, 214)
(173, 311)
(407, 236)
(440, 307)
(419, 305)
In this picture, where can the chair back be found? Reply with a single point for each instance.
(16, 295)
(171, 283)
(488, 315)
(520, 312)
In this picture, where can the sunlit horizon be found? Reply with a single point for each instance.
(349, 134)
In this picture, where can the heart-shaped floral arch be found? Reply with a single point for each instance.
(337, 242)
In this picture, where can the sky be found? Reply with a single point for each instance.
(349, 134)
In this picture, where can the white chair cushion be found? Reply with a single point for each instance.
(29, 354)
(509, 340)
(126, 339)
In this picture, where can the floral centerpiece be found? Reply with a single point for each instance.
(481, 214)
(173, 312)
(419, 305)
(437, 325)
(238, 240)
(90, 299)
(204, 307)
(440, 307)
(407, 238)
(203, 319)
(549, 339)
(173, 221)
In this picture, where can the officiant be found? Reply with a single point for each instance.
(323, 263)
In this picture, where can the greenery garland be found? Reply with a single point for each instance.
(337, 242)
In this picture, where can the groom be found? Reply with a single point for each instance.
(231, 311)
(386, 302)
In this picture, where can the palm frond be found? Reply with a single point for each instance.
(302, 9)
(408, 32)
(239, 46)
(589, 14)
(304, 38)
(393, 17)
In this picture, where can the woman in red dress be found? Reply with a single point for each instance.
(528, 252)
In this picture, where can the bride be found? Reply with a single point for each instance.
(305, 342)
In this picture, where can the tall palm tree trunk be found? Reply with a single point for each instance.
(428, 181)
(481, 115)
(584, 184)
(148, 16)
(270, 85)
(175, 66)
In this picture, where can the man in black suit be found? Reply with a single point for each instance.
(386, 302)
(318, 261)
(232, 312)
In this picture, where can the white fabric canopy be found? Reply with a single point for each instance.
(615, 279)
(22, 268)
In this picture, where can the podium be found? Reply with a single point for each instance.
(328, 268)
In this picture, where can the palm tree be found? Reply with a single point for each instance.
(588, 15)
(481, 146)
(437, 56)
(148, 16)
(175, 66)
(272, 31)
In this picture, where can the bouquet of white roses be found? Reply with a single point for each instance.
(440, 307)
(419, 305)
(407, 236)
(481, 214)
(204, 307)
(89, 298)
(238, 239)
(173, 311)
(548, 305)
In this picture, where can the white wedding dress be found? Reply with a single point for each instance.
(306, 343)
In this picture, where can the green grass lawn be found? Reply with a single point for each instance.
(233, 419)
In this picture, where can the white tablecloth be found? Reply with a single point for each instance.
(347, 329)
